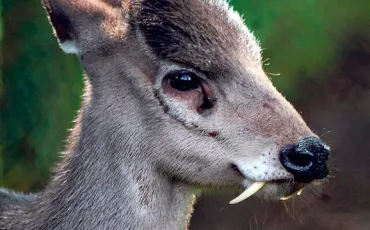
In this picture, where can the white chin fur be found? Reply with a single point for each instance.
(69, 47)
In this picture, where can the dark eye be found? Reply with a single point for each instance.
(183, 80)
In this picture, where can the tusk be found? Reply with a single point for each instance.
(248, 192)
(286, 198)
(290, 196)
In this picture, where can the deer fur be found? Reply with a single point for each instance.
(138, 155)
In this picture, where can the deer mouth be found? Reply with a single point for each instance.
(290, 188)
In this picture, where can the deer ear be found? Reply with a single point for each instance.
(72, 20)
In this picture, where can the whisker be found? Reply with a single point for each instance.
(264, 220)
(294, 212)
(327, 132)
(299, 207)
(335, 168)
(265, 60)
(255, 219)
(305, 202)
(287, 210)
(273, 74)
(315, 192)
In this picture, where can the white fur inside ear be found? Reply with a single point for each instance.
(69, 47)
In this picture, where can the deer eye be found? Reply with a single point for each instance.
(183, 80)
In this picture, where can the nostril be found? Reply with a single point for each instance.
(307, 160)
(296, 162)
(300, 160)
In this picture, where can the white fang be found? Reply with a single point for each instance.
(255, 187)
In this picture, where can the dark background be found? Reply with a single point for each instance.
(320, 48)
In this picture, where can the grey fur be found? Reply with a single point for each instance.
(137, 156)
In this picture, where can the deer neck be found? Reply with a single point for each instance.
(124, 188)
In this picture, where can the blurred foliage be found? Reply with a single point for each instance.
(41, 95)
(303, 38)
(42, 86)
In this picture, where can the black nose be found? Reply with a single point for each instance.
(307, 160)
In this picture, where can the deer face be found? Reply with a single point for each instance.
(211, 114)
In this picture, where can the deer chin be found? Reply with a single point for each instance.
(270, 190)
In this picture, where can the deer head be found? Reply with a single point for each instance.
(180, 86)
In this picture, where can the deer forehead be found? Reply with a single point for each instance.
(207, 34)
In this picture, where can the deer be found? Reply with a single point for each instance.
(175, 101)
